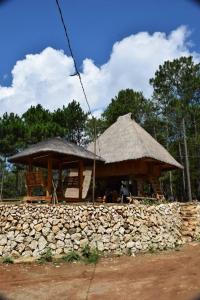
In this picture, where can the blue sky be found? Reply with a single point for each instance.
(29, 27)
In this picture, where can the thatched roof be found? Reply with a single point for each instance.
(55, 145)
(126, 140)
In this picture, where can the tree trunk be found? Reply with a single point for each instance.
(183, 171)
(187, 163)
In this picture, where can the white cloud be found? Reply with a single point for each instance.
(45, 77)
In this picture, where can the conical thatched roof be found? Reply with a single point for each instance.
(126, 140)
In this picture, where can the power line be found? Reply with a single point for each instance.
(73, 57)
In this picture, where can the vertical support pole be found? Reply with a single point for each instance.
(187, 163)
(80, 176)
(30, 169)
(49, 178)
(60, 190)
(30, 166)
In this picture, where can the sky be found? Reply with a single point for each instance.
(117, 44)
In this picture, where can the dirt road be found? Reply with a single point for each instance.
(173, 275)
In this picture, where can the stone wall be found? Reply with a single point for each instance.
(29, 230)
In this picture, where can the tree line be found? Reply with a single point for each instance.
(171, 116)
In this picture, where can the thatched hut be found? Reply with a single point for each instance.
(132, 153)
(56, 154)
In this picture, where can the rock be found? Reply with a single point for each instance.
(45, 231)
(60, 244)
(38, 227)
(27, 253)
(51, 238)
(113, 246)
(60, 236)
(72, 231)
(15, 254)
(11, 235)
(83, 225)
(130, 244)
(100, 246)
(25, 226)
(32, 232)
(59, 251)
(20, 248)
(76, 236)
(19, 238)
(33, 245)
(42, 243)
(1, 250)
(55, 229)
(3, 240)
(56, 221)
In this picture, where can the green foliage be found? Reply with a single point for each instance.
(148, 201)
(126, 101)
(152, 250)
(176, 87)
(46, 256)
(72, 256)
(8, 260)
(90, 256)
(73, 121)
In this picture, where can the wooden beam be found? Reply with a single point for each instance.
(80, 176)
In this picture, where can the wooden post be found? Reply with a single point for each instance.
(80, 176)
(49, 178)
(60, 185)
(30, 166)
(30, 169)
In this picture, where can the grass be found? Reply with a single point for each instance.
(8, 260)
(152, 250)
(72, 256)
(46, 257)
(90, 256)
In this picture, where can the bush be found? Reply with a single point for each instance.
(8, 260)
(90, 256)
(46, 257)
(71, 257)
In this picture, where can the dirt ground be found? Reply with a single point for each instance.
(173, 275)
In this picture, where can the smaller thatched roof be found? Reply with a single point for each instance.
(55, 145)
(127, 140)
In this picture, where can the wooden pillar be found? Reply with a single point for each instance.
(80, 176)
(60, 185)
(30, 169)
(140, 183)
(49, 176)
(30, 165)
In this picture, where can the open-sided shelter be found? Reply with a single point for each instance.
(54, 154)
(129, 150)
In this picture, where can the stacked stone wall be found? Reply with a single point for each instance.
(29, 230)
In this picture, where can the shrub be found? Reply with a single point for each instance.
(152, 249)
(71, 257)
(46, 257)
(93, 257)
(8, 260)
(90, 256)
